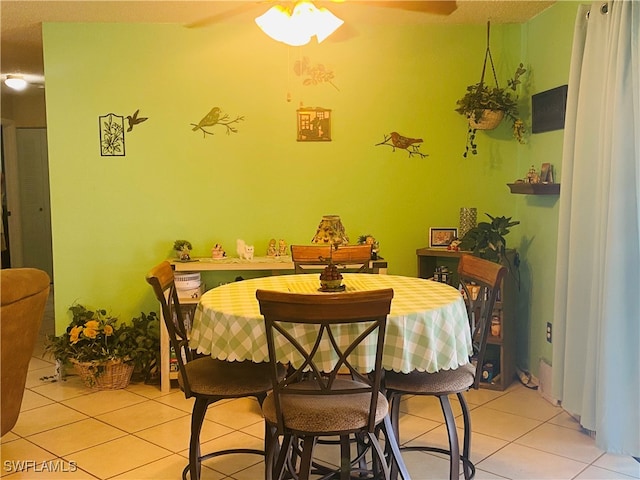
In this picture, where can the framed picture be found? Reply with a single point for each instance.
(442, 237)
(314, 125)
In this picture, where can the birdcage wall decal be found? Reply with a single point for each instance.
(314, 124)
(111, 135)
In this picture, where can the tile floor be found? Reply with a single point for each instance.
(68, 431)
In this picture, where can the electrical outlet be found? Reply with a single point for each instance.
(549, 332)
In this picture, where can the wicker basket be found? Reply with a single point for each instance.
(109, 375)
(490, 119)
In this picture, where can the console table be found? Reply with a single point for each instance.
(269, 265)
(272, 264)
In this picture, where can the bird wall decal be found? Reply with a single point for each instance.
(135, 120)
(411, 145)
(216, 117)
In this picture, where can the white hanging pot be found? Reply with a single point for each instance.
(489, 120)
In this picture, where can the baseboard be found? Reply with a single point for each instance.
(545, 376)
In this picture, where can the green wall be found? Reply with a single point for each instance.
(546, 44)
(115, 217)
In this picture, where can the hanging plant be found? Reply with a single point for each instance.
(485, 106)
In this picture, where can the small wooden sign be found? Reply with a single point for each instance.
(314, 124)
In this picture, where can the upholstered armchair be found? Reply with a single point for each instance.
(24, 293)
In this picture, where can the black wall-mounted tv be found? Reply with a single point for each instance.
(548, 109)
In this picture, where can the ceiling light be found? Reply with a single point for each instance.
(296, 27)
(15, 82)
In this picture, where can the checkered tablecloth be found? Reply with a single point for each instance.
(427, 329)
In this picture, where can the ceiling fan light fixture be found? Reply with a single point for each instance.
(296, 27)
(274, 22)
(326, 24)
(15, 82)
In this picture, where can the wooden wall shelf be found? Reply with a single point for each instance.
(535, 188)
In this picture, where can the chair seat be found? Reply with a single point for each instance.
(209, 376)
(326, 414)
(438, 383)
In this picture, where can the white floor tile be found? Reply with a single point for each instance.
(118, 456)
(619, 463)
(518, 462)
(562, 441)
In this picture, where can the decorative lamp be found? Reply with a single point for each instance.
(331, 231)
(15, 82)
(296, 27)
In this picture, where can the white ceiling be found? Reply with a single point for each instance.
(21, 20)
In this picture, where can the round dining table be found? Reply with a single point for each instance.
(427, 327)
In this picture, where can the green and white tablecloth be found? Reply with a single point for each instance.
(427, 329)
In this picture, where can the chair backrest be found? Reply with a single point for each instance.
(161, 278)
(354, 258)
(481, 281)
(24, 297)
(321, 316)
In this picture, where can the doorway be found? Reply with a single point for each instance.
(28, 208)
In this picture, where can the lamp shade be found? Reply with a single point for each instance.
(331, 231)
(296, 27)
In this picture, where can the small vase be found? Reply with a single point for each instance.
(468, 220)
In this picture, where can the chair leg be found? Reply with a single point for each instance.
(379, 452)
(396, 462)
(283, 457)
(305, 459)
(467, 467)
(345, 457)
(394, 414)
(197, 418)
(454, 448)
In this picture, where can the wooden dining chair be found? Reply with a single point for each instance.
(311, 403)
(350, 258)
(206, 379)
(480, 280)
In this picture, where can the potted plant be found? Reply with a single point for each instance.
(486, 240)
(103, 352)
(486, 106)
(183, 249)
(145, 332)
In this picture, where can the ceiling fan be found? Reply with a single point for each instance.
(434, 7)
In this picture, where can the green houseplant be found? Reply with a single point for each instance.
(145, 332)
(102, 351)
(183, 249)
(486, 240)
(485, 106)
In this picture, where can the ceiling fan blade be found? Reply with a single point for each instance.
(438, 7)
(225, 15)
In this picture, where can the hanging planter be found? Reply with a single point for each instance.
(489, 120)
(485, 107)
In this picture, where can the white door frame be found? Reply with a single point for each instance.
(13, 193)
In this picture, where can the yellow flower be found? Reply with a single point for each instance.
(74, 334)
(108, 330)
(90, 332)
(92, 324)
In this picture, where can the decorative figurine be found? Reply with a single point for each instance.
(532, 176)
(272, 251)
(244, 251)
(454, 245)
(282, 248)
(217, 251)
(370, 240)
